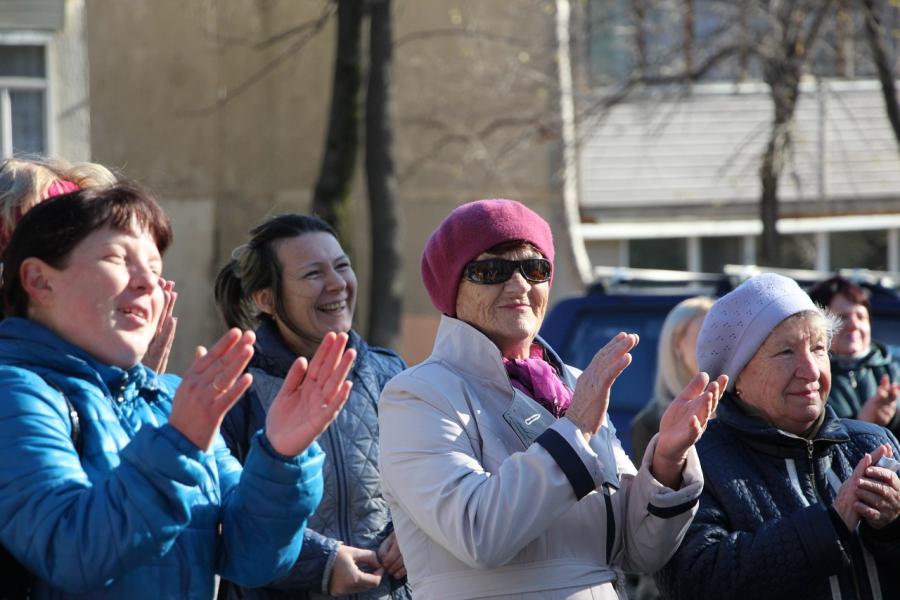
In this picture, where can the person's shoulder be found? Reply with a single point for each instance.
(24, 390)
(428, 376)
(863, 429)
(717, 440)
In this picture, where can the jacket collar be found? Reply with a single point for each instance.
(29, 344)
(877, 356)
(471, 352)
(272, 355)
(770, 440)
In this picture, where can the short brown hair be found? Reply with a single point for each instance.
(823, 293)
(52, 229)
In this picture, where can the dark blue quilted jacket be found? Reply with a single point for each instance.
(352, 509)
(764, 528)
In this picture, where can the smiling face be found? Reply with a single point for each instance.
(318, 291)
(106, 299)
(789, 377)
(855, 334)
(510, 313)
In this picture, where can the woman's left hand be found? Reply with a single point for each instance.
(390, 557)
(682, 425)
(878, 492)
(157, 356)
(311, 396)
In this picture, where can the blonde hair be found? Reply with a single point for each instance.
(672, 373)
(24, 183)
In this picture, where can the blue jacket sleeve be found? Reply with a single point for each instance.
(265, 508)
(69, 532)
(775, 561)
(312, 571)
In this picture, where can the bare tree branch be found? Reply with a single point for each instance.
(309, 31)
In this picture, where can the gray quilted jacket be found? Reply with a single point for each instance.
(353, 509)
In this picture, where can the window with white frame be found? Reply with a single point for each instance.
(23, 98)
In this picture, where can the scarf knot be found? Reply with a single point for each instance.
(537, 378)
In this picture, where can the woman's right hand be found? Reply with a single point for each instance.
(211, 386)
(311, 396)
(347, 577)
(591, 397)
(157, 355)
(882, 406)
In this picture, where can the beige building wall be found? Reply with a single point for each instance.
(475, 99)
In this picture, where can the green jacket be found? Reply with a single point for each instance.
(855, 381)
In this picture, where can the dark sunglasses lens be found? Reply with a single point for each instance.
(536, 270)
(489, 271)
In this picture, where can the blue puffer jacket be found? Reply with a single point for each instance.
(765, 528)
(353, 509)
(141, 512)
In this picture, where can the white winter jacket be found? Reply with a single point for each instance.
(490, 502)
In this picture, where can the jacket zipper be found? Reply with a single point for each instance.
(812, 476)
(343, 521)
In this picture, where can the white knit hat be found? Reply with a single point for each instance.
(740, 321)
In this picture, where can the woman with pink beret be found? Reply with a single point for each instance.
(504, 476)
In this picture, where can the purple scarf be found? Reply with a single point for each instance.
(537, 378)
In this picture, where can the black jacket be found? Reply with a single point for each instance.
(765, 528)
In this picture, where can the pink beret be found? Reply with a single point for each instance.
(470, 230)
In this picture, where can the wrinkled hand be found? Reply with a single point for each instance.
(211, 386)
(157, 355)
(682, 425)
(591, 397)
(311, 396)
(390, 557)
(848, 503)
(347, 577)
(878, 491)
(882, 406)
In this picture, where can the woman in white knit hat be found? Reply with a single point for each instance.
(795, 504)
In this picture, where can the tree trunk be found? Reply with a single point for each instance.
(784, 90)
(875, 34)
(331, 199)
(386, 288)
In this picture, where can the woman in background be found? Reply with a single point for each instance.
(865, 375)
(676, 364)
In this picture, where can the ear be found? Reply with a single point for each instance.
(36, 278)
(264, 300)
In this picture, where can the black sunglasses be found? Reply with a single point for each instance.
(499, 270)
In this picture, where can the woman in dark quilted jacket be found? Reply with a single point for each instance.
(797, 503)
(293, 283)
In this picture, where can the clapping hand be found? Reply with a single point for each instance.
(311, 396)
(591, 397)
(211, 386)
(882, 406)
(682, 425)
(157, 355)
(878, 491)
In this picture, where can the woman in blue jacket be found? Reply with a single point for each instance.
(143, 500)
(797, 503)
(293, 283)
